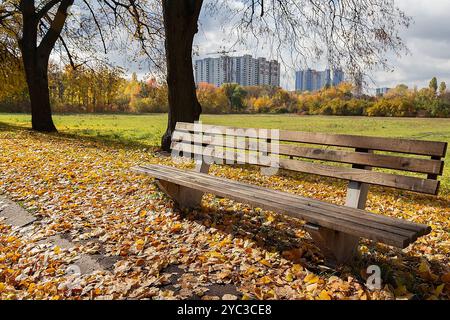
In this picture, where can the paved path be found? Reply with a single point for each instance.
(13, 214)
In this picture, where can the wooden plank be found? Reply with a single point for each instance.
(317, 206)
(427, 166)
(374, 160)
(292, 200)
(419, 147)
(350, 174)
(329, 221)
(371, 177)
(402, 227)
(306, 201)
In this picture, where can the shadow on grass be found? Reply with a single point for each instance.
(9, 126)
(106, 140)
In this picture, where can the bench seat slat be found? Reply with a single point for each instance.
(248, 194)
(267, 204)
(409, 183)
(420, 229)
(309, 203)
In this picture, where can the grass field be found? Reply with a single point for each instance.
(147, 129)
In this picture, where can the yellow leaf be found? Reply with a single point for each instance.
(2, 287)
(424, 267)
(176, 228)
(31, 287)
(296, 268)
(224, 242)
(265, 280)
(139, 243)
(289, 277)
(439, 289)
(266, 263)
(324, 295)
(57, 250)
(311, 278)
(249, 271)
(97, 291)
(143, 214)
(425, 271)
(10, 239)
(215, 254)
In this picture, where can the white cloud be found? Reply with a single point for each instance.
(428, 40)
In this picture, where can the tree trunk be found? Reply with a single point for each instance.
(180, 22)
(36, 71)
(37, 80)
(36, 58)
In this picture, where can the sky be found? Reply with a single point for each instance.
(428, 41)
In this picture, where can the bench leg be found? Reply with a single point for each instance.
(185, 198)
(338, 248)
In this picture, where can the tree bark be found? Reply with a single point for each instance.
(181, 25)
(36, 67)
(36, 58)
(41, 113)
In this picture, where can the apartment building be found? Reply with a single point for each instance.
(313, 80)
(244, 70)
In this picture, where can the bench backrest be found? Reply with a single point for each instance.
(297, 149)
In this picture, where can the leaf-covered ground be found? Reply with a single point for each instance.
(84, 191)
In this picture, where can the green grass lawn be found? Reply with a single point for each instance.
(147, 129)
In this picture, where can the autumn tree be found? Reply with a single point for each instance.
(433, 85)
(442, 88)
(355, 34)
(12, 85)
(235, 95)
(93, 89)
(39, 26)
(212, 99)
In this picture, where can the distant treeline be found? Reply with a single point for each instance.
(105, 89)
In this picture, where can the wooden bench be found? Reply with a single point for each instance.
(335, 229)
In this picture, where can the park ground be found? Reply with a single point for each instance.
(78, 186)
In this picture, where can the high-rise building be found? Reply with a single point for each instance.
(382, 91)
(244, 70)
(313, 80)
(338, 77)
